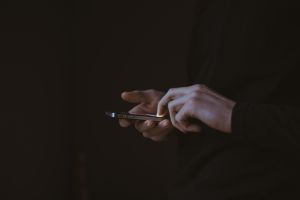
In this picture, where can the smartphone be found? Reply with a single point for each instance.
(124, 115)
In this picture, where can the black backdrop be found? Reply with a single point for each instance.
(62, 64)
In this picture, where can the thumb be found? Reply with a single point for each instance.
(134, 96)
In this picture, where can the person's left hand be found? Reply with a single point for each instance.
(197, 102)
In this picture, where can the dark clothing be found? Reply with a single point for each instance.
(248, 51)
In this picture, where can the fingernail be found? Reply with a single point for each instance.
(124, 94)
(159, 115)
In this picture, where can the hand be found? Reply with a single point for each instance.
(147, 104)
(197, 102)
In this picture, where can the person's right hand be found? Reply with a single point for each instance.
(147, 102)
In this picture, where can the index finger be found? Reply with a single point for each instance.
(162, 106)
(172, 94)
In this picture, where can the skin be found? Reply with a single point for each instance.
(147, 102)
(184, 106)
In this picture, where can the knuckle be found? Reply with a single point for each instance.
(200, 87)
(171, 90)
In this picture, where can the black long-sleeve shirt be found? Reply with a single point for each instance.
(248, 51)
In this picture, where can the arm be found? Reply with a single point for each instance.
(265, 125)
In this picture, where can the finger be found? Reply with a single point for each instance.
(160, 130)
(183, 115)
(174, 106)
(182, 118)
(164, 124)
(136, 110)
(144, 126)
(139, 109)
(172, 113)
(134, 96)
(125, 123)
(170, 95)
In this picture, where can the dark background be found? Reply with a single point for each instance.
(62, 64)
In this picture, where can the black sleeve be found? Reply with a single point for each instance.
(267, 125)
